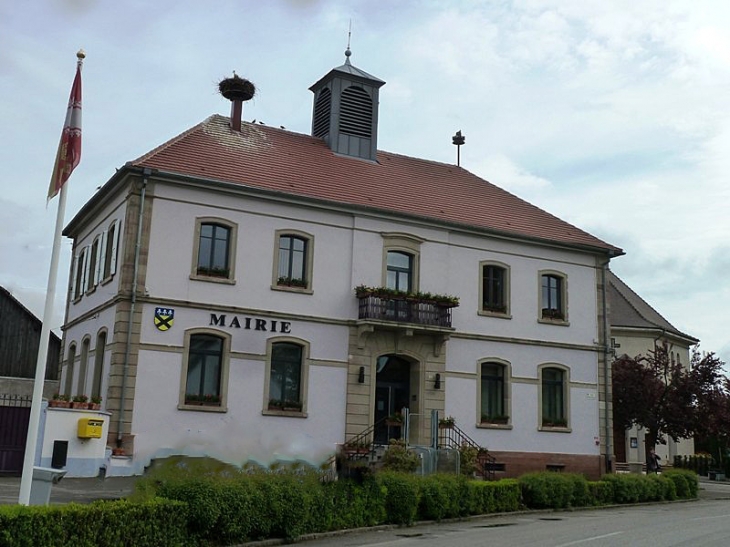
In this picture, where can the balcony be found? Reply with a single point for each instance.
(413, 308)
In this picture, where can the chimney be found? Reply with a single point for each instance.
(237, 90)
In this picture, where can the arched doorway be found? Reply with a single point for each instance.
(392, 393)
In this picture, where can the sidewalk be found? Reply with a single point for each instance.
(73, 490)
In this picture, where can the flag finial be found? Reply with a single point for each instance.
(80, 54)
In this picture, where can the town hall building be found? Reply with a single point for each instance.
(259, 295)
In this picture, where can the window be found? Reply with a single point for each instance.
(554, 409)
(399, 269)
(98, 364)
(68, 381)
(108, 260)
(493, 408)
(79, 273)
(205, 370)
(401, 253)
(214, 255)
(553, 297)
(286, 384)
(83, 366)
(293, 262)
(92, 276)
(494, 289)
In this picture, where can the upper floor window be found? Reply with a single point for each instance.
(215, 252)
(92, 276)
(554, 408)
(399, 271)
(80, 272)
(494, 393)
(108, 260)
(494, 289)
(553, 297)
(204, 370)
(293, 261)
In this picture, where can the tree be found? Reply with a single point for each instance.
(665, 398)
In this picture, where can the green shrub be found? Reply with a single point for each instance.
(399, 459)
(601, 492)
(690, 478)
(102, 524)
(581, 493)
(401, 498)
(626, 488)
(441, 496)
(546, 490)
(356, 505)
(506, 495)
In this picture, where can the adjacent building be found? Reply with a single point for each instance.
(256, 294)
(637, 329)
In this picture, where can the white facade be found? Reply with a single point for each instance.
(229, 320)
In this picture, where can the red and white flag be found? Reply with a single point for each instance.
(69, 148)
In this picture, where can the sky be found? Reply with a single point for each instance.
(611, 115)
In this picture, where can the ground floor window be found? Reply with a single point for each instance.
(286, 377)
(205, 370)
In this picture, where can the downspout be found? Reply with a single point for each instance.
(607, 353)
(128, 350)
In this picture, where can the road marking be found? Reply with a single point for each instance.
(586, 540)
(710, 518)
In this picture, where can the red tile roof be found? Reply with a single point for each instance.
(279, 160)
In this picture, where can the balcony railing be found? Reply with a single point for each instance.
(404, 310)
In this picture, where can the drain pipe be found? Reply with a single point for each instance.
(128, 350)
(607, 353)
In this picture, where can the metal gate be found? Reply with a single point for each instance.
(14, 419)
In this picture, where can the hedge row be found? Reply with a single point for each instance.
(153, 523)
(560, 490)
(239, 507)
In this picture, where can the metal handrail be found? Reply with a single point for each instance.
(454, 437)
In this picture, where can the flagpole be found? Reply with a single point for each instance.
(68, 156)
(40, 367)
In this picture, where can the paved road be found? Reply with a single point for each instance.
(697, 524)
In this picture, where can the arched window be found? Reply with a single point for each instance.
(70, 362)
(399, 271)
(98, 364)
(83, 366)
(553, 297)
(293, 260)
(215, 250)
(494, 393)
(494, 288)
(554, 396)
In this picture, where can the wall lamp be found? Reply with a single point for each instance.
(437, 381)
(361, 376)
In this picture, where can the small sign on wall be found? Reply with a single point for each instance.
(634, 442)
(164, 318)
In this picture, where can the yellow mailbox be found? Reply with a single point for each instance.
(89, 428)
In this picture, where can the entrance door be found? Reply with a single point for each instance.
(392, 393)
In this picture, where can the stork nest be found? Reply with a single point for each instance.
(237, 88)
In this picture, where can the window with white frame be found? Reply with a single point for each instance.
(553, 396)
(205, 370)
(494, 390)
(80, 270)
(108, 259)
(92, 275)
(215, 250)
(286, 376)
(494, 288)
(553, 296)
(293, 260)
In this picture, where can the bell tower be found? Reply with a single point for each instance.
(345, 111)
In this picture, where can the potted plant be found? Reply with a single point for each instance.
(552, 313)
(207, 399)
(285, 281)
(554, 422)
(59, 401)
(80, 402)
(95, 403)
(447, 422)
(394, 420)
(292, 406)
(496, 419)
(276, 404)
(356, 447)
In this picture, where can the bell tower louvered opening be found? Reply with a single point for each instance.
(322, 110)
(345, 113)
(356, 112)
